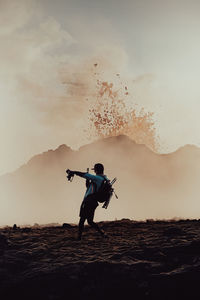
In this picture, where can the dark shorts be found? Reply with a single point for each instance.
(88, 207)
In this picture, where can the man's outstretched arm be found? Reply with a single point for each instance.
(84, 175)
(91, 177)
(81, 174)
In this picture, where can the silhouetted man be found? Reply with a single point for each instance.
(89, 204)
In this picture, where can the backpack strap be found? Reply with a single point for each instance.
(105, 179)
(95, 187)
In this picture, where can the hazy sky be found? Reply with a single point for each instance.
(48, 50)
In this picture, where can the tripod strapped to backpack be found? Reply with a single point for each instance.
(112, 182)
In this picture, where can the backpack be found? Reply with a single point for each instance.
(104, 193)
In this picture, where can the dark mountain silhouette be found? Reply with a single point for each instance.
(149, 185)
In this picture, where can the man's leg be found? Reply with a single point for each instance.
(81, 227)
(92, 223)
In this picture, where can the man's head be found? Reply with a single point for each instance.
(98, 168)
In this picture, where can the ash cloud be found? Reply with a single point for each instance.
(48, 81)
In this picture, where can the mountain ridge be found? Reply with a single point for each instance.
(68, 150)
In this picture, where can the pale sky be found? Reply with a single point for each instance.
(47, 52)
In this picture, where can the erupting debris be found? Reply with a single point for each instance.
(111, 116)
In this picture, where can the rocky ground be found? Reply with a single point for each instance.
(138, 260)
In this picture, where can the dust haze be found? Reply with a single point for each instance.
(148, 185)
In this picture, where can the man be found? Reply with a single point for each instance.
(89, 204)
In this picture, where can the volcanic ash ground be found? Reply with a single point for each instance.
(138, 260)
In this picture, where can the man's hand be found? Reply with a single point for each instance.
(68, 171)
(70, 174)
